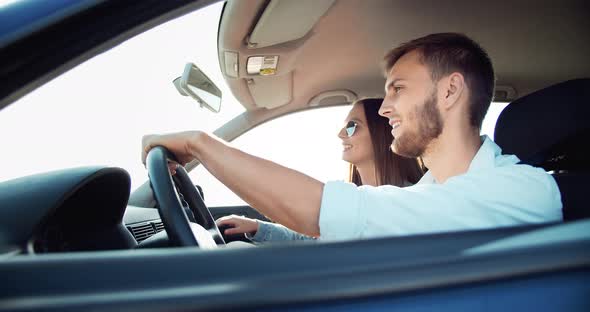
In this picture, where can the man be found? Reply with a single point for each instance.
(438, 90)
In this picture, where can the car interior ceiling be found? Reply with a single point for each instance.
(338, 55)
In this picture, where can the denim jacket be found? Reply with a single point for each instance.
(272, 232)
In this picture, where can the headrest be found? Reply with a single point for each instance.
(549, 128)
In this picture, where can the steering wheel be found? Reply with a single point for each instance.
(181, 232)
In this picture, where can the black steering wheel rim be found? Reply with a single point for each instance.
(178, 227)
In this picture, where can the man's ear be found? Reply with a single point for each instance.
(454, 89)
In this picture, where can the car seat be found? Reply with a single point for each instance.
(550, 129)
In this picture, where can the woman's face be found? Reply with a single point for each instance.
(356, 149)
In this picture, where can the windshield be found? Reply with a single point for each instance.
(96, 113)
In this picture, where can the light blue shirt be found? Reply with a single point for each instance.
(494, 192)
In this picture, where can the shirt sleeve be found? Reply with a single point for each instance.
(340, 211)
(272, 232)
(489, 198)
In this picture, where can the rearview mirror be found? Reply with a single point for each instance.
(196, 84)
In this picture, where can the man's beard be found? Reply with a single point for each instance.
(413, 143)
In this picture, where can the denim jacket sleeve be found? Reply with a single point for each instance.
(272, 232)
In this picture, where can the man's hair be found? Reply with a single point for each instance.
(445, 53)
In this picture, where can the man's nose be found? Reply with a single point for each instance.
(386, 109)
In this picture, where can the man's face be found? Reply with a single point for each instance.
(410, 104)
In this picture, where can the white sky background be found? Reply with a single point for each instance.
(96, 113)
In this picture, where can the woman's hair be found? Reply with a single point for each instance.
(390, 168)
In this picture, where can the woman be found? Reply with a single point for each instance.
(366, 139)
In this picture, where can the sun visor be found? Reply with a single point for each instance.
(271, 91)
(286, 20)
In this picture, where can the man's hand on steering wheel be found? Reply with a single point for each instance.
(180, 230)
(178, 144)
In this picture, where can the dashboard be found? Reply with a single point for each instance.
(80, 209)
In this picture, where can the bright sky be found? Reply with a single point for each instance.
(96, 113)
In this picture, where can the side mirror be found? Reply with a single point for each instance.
(196, 84)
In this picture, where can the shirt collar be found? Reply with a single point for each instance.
(485, 158)
(427, 178)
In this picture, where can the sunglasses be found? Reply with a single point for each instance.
(350, 128)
